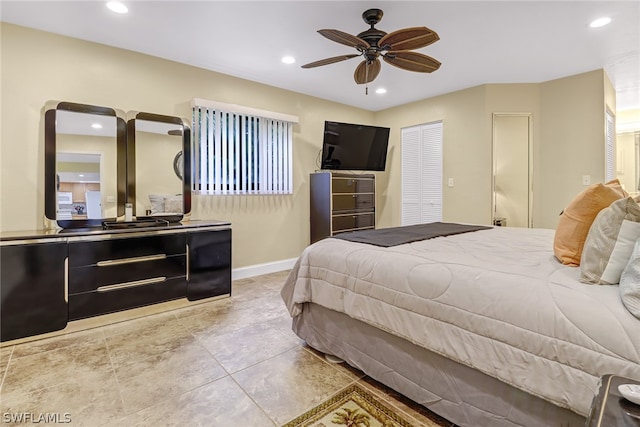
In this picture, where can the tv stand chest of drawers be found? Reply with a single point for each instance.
(50, 279)
(341, 202)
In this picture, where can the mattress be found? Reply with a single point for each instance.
(494, 300)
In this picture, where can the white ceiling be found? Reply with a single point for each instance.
(480, 41)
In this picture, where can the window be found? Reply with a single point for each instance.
(239, 150)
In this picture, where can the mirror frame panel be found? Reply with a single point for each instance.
(186, 158)
(50, 190)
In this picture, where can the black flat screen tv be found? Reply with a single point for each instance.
(348, 146)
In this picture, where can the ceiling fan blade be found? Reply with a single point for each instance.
(328, 61)
(367, 71)
(408, 39)
(345, 39)
(412, 61)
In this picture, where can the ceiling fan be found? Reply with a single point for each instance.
(395, 48)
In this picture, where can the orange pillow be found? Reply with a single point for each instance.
(577, 218)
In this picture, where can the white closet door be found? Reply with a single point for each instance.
(411, 172)
(422, 174)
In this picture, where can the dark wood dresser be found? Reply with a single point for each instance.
(341, 202)
(51, 277)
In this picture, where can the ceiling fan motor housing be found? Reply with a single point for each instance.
(372, 16)
(372, 35)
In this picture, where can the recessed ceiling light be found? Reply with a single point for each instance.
(600, 22)
(117, 7)
(96, 126)
(288, 59)
(381, 90)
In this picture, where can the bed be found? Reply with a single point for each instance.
(485, 328)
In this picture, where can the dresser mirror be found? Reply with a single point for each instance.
(158, 153)
(85, 164)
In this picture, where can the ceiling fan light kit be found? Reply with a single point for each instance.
(395, 48)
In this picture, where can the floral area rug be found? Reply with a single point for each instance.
(353, 407)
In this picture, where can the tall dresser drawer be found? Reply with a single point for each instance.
(93, 252)
(116, 272)
(353, 221)
(353, 202)
(352, 185)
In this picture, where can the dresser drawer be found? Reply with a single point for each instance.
(109, 273)
(353, 202)
(352, 185)
(353, 221)
(95, 303)
(92, 252)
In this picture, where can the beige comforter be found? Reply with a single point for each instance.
(496, 300)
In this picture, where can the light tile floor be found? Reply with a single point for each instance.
(229, 362)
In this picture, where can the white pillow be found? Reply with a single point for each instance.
(173, 204)
(610, 242)
(630, 282)
(157, 203)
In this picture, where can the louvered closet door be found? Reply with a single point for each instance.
(422, 174)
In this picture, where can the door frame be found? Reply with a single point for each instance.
(529, 117)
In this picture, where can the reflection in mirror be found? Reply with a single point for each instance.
(79, 187)
(628, 161)
(84, 147)
(157, 145)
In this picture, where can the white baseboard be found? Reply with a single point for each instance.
(259, 269)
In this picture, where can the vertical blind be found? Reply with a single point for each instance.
(241, 153)
(609, 150)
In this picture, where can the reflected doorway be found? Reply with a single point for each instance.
(78, 186)
(512, 198)
(628, 161)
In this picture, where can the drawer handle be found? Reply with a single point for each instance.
(130, 260)
(133, 284)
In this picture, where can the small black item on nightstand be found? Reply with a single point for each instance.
(610, 409)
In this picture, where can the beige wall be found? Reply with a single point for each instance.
(568, 127)
(568, 142)
(571, 140)
(466, 155)
(38, 67)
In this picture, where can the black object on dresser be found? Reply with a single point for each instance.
(50, 279)
(341, 202)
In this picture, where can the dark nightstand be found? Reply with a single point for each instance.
(610, 409)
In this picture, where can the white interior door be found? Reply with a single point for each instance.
(94, 208)
(422, 174)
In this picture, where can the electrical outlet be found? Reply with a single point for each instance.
(450, 184)
(586, 179)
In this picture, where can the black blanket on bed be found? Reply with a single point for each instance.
(394, 236)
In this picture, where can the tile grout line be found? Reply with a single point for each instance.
(113, 369)
(231, 374)
(6, 369)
